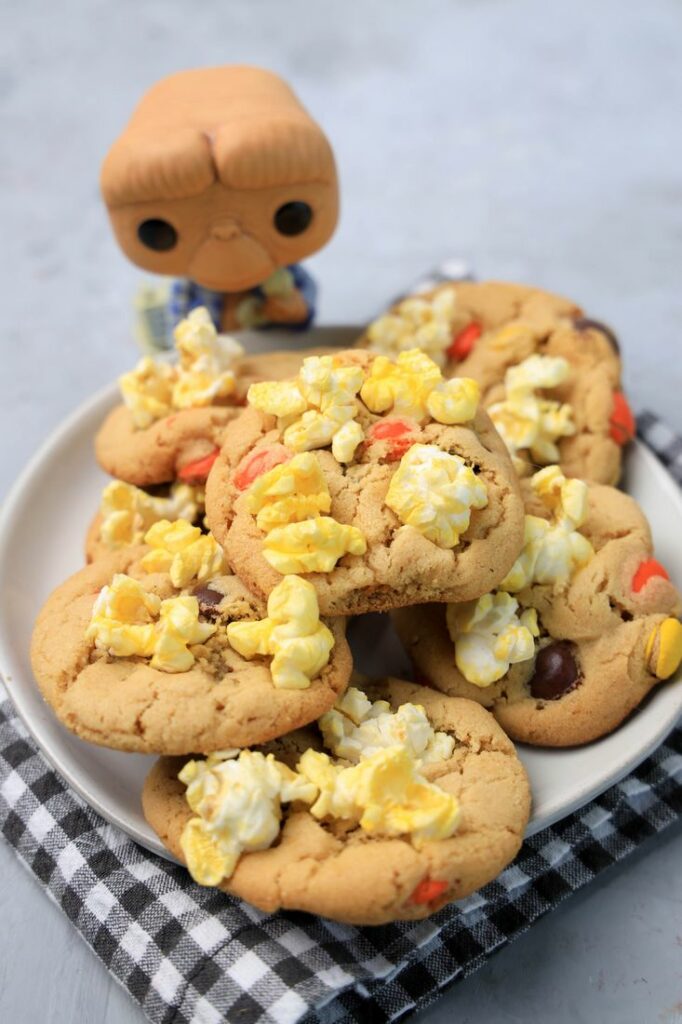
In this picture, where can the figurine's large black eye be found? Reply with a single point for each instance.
(293, 218)
(157, 234)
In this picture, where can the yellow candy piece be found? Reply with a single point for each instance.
(314, 545)
(292, 634)
(148, 391)
(669, 635)
(290, 492)
(434, 492)
(128, 512)
(183, 551)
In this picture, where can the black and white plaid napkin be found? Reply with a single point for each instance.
(191, 954)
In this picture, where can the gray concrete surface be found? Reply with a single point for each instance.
(541, 142)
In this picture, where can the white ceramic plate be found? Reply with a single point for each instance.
(42, 528)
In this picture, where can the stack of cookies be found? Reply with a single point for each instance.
(454, 471)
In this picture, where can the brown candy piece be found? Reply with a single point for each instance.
(583, 323)
(208, 600)
(556, 671)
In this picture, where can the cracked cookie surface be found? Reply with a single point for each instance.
(400, 566)
(347, 875)
(600, 638)
(223, 700)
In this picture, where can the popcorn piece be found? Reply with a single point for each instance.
(292, 633)
(183, 551)
(385, 793)
(289, 493)
(148, 391)
(356, 729)
(206, 370)
(413, 386)
(416, 323)
(313, 408)
(346, 440)
(127, 621)
(454, 401)
(237, 803)
(128, 512)
(314, 545)
(552, 551)
(434, 492)
(529, 423)
(489, 635)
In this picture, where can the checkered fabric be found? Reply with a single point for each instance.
(192, 954)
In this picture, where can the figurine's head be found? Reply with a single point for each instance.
(221, 176)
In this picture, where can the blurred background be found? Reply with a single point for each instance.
(539, 142)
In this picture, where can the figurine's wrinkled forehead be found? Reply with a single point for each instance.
(241, 126)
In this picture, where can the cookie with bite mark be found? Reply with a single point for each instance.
(484, 330)
(178, 684)
(339, 870)
(380, 482)
(560, 662)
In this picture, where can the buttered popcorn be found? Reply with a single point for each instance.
(204, 374)
(237, 802)
(127, 621)
(527, 422)
(183, 551)
(316, 408)
(292, 635)
(433, 492)
(287, 502)
(237, 797)
(490, 635)
(412, 385)
(128, 512)
(358, 727)
(553, 550)
(416, 322)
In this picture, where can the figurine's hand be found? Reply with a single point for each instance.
(286, 309)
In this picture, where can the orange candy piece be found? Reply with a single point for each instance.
(400, 431)
(429, 889)
(197, 471)
(623, 423)
(256, 463)
(464, 341)
(646, 571)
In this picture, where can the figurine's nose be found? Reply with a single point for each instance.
(226, 230)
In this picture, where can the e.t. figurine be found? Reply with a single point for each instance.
(223, 181)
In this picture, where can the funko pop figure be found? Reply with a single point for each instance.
(222, 181)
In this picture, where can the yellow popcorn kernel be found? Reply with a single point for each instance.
(527, 422)
(417, 322)
(290, 492)
(178, 627)
(292, 634)
(402, 386)
(346, 440)
(489, 636)
(313, 408)
(434, 492)
(237, 803)
(356, 728)
(122, 622)
(454, 401)
(554, 550)
(511, 335)
(128, 512)
(314, 545)
(385, 793)
(148, 391)
(183, 551)
(206, 371)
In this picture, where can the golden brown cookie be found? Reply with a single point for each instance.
(605, 638)
(490, 327)
(393, 559)
(222, 700)
(339, 871)
(182, 444)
